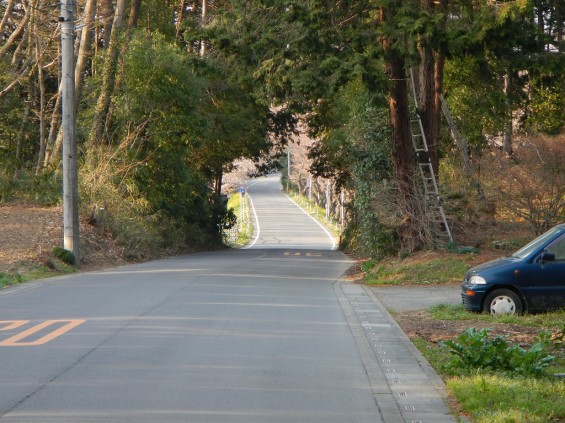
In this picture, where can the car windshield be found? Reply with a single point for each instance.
(535, 244)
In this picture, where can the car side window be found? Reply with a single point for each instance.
(557, 247)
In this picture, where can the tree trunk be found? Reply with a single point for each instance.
(21, 133)
(108, 78)
(438, 93)
(202, 23)
(431, 84)
(133, 14)
(180, 18)
(403, 150)
(403, 153)
(559, 15)
(41, 114)
(34, 43)
(218, 184)
(107, 12)
(426, 104)
(507, 139)
(84, 49)
(51, 148)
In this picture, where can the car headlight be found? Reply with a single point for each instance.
(477, 280)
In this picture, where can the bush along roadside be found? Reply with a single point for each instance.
(475, 350)
(496, 381)
(7, 279)
(65, 256)
(59, 262)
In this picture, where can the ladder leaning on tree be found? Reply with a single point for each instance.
(431, 192)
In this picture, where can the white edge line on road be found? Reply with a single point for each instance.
(256, 223)
(318, 223)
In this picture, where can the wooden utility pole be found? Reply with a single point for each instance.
(70, 171)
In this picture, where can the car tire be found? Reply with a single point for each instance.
(502, 302)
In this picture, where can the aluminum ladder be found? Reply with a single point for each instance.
(431, 192)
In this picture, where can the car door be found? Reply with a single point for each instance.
(546, 289)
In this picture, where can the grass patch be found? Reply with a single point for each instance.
(551, 319)
(240, 235)
(7, 279)
(451, 312)
(496, 398)
(436, 271)
(35, 272)
(438, 357)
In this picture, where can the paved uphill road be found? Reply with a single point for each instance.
(282, 224)
(264, 334)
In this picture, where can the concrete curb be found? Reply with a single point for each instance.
(424, 364)
(405, 386)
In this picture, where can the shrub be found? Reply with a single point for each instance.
(65, 256)
(546, 107)
(473, 349)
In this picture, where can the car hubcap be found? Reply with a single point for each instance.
(502, 305)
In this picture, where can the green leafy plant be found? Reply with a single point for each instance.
(368, 265)
(65, 256)
(473, 349)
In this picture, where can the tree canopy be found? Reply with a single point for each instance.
(171, 92)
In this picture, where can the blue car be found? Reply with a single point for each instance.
(530, 280)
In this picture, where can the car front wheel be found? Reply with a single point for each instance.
(502, 302)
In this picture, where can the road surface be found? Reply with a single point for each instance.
(263, 334)
(280, 223)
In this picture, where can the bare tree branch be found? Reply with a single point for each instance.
(7, 14)
(16, 34)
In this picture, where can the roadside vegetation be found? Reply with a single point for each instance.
(240, 233)
(439, 270)
(53, 267)
(497, 369)
(497, 380)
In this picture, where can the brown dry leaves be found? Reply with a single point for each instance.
(29, 233)
(420, 324)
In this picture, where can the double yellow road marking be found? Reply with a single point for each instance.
(19, 340)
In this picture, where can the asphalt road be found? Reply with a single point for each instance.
(257, 335)
(282, 223)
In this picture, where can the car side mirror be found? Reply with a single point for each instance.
(546, 256)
